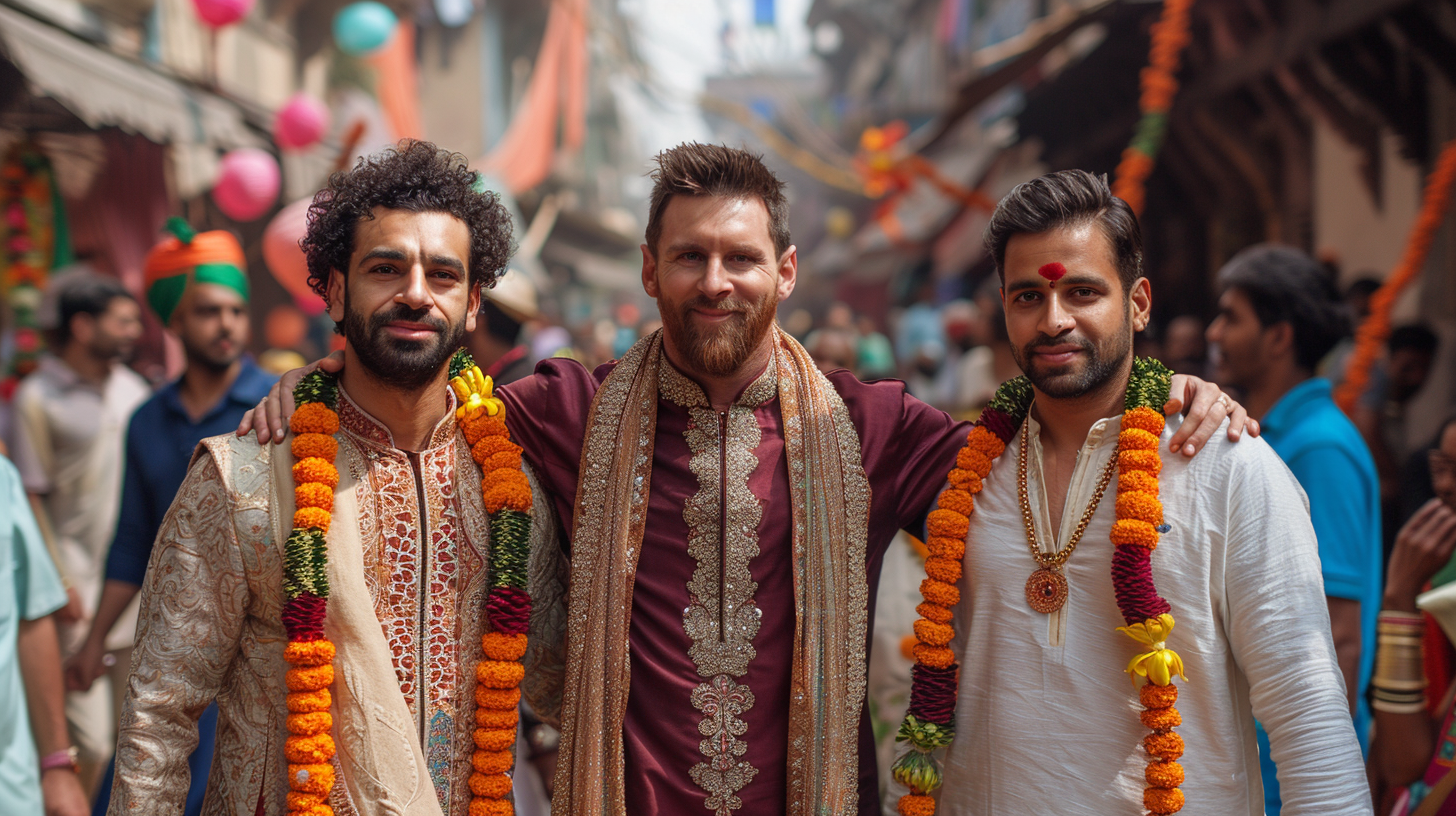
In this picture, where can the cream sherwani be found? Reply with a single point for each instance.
(410, 536)
(1047, 720)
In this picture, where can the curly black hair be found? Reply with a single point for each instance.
(415, 176)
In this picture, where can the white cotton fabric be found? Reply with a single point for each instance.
(1047, 718)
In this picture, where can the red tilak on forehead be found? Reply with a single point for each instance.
(1052, 271)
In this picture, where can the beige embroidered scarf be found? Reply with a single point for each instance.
(830, 497)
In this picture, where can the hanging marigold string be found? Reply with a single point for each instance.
(507, 493)
(930, 723)
(1159, 85)
(1371, 335)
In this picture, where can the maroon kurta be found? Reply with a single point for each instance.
(908, 447)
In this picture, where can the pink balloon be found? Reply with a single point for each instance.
(286, 260)
(219, 13)
(300, 123)
(247, 184)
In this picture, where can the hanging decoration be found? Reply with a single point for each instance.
(1159, 85)
(889, 173)
(362, 28)
(33, 240)
(1371, 335)
(222, 13)
(301, 122)
(247, 184)
(285, 259)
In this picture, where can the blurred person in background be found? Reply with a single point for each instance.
(1279, 314)
(71, 417)
(1380, 413)
(497, 344)
(1357, 302)
(197, 286)
(833, 349)
(1185, 349)
(876, 355)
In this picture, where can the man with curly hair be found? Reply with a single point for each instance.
(400, 248)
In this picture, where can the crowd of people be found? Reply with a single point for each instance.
(736, 567)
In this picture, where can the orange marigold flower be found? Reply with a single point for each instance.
(1153, 695)
(1167, 745)
(1161, 719)
(912, 804)
(488, 446)
(487, 718)
(1139, 460)
(932, 633)
(503, 646)
(313, 494)
(931, 611)
(314, 469)
(973, 460)
(957, 501)
(499, 674)
(1139, 480)
(1134, 531)
(298, 800)
(966, 480)
(494, 739)
(491, 807)
(505, 476)
(1160, 801)
(1135, 504)
(497, 699)
(986, 442)
(314, 748)
(940, 593)
(494, 786)
(309, 652)
(1136, 439)
(306, 517)
(943, 569)
(314, 722)
(314, 417)
(483, 426)
(947, 523)
(936, 657)
(306, 702)
(311, 778)
(507, 496)
(1162, 774)
(952, 548)
(502, 460)
(310, 678)
(315, 445)
(492, 762)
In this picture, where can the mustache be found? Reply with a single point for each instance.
(1061, 340)
(403, 313)
(727, 304)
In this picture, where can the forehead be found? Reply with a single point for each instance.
(1082, 248)
(407, 230)
(707, 220)
(212, 294)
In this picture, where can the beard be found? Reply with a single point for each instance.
(407, 365)
(1100, 363)
(719, 350)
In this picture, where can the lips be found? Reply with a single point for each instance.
(1057, 354)
(410, 330)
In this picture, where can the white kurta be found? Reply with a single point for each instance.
(1047, 719)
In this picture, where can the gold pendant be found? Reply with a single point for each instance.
(1046, 590)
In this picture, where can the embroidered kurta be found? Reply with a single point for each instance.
(713, 615)
(1047, 718)
(210, 618)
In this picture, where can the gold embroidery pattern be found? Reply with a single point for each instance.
(723, 703)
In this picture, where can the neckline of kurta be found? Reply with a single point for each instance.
(681, 390)
(362, 425)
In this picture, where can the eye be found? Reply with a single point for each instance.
(691, 256)
(1027, 297)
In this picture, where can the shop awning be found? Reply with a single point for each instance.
(103, 89)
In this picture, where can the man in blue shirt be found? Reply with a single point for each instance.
(196, 285)
(1279, 314)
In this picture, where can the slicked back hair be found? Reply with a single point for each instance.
(1286, 285)
(694, 169)
(1068, 198)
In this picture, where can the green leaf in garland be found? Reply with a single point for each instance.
(1013, 398)
(918, 771)
(510, 542)
(305, 564)
(1149, 385)
(460, 362)
(926, 736)
(318, 386)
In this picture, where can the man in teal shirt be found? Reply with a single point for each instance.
(1279, 314)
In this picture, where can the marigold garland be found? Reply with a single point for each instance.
(310, 748)
(930, 722)
(1371, 335)
(1159, 85)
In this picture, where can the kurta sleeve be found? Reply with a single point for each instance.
(1279, 631)
(193, 606)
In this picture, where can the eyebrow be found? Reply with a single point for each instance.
(1067, 281)
(383, 253)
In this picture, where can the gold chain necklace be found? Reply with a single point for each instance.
(1046, 589)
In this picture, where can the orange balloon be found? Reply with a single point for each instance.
(285, 259)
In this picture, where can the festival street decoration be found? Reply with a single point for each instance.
(34, 240)
(1159, 85)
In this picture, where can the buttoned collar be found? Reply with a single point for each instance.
(250, 386)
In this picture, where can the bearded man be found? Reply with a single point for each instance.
(399, 247)
(1045, 710)
(731, 506)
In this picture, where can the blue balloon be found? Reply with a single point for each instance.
(360, 28)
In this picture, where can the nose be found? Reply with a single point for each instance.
(715, 282)
(1215, 330)
(416, 291)
(1055, 320)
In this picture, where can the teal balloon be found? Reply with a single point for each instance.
(362, 28)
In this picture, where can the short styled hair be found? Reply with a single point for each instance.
(415, 176)
(1068, 198)
(86, 295)
(694, 169)
(1286, 285)
(1416, 337)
